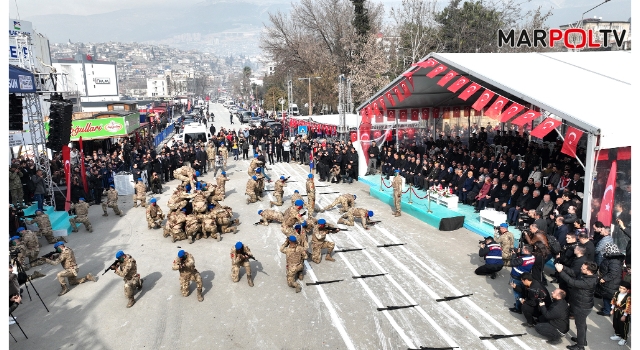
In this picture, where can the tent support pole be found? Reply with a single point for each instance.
(589, 176)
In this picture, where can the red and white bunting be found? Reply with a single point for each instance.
(447, 77)
(482, 101)
(496, 108)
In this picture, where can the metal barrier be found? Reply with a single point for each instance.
(163, 135)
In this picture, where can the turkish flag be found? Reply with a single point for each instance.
(482, 101)
(409, 76)
(426, 64)
(379, 117)
(447, 78)
(456, 112)
(66, 159)
(415, 114)
(403, 115)
(467, 111)
(511, 112)
(445, 112)
(396, 91)
(547, 126)
(389, 96)
(496, 108)
(366, 114)
(435, 112)
(381, 103)
(462, 81)
(469, 91)
(606, 206)
(425, 113)
(391, 114)
(405, 89)
(365, 137)
(410, 79)
(571, 139)
(375, 109)
(439, 69)
(527, 117)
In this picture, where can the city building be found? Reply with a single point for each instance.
(596, 24)
(95, 80)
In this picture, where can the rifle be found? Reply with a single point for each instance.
(367, 276)
(114, 264)
(251, 257)
(329, 192)
(453, 298)
(336, 229)
(501, 336)
(390, 245)
(322, 282)
(347, 250)
(47, 256)
(430, 348)
(257, 223)
(374, 222)
(395, 307)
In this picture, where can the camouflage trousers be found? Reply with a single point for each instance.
(178, 234)
(131, 285)
(33, 256)
(48, 234)
(193, 230)
(185, 180)
(177, 205)
(344, 207)
(397, 202)
(288, 230)
(82, 220)
(294, 272)
(267, 218)
(225, 225)
(252, 197)
(112, 205)
(155, 222)
(216, 197)
(316, 250)
(278, 197)
(140, 197)
(186, 278)
(16, 196)
(311, 203)
(235, 271)
(210, 227)
(349, 219)
(72, 275)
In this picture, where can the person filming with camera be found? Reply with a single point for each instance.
(532, 292)
(553, 322)
(492, 254)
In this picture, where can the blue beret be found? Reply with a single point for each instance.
(296, 191)
(184, 210)
(58, 244)
(370, 213)
(119, 254)
(282, 178)
(139, 179)
(211, 206)
(181, 254)
(354, 196)
(221, 143)
(80, 199)
(260, 211)
(504, 224)
(299, 203)
(112, 186)
(239, 245)
(153, 200)
(293, 239)
(258, 170)
(224, 173)
(255, 155)
(322, 222)
(310, 176)
(197, 173)
(397, 171)
(14, 238)
(20, 229)
(297, 227)
(254, 177)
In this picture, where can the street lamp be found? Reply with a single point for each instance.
(309, 79)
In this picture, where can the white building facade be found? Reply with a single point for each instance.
(93, 79)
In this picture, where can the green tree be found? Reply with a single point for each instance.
(361, 18)
(272, 98)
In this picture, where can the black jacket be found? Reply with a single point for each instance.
(582, 288)
(590, 254)
(534, 293)
(557, 314)
(610, 270)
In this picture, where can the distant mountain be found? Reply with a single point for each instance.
(156, 23)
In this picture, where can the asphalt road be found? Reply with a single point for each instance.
(343, 315)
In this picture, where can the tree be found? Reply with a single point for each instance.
(361, 18)
(369, 69)
(273, 96)
(246, 82)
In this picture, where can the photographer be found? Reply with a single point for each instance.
(553, 322)
(14, 290)
(492, 254)
(532, 293)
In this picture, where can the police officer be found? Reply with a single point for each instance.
(492, 254)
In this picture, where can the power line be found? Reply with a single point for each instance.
(17, 11)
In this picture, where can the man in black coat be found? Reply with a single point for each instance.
(201, 157)
(553, 322)
(533, 293)
(581, 300)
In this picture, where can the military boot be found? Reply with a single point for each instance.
(199, 292)
(36, 274)
(90, 228)
(62, 238)
(131, 302)
(298, 288)
(249, 280)
(64, 290)
(105, 214)
(329, 258)
(91, 278)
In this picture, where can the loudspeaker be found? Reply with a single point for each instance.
(15, 113)
(451, 224)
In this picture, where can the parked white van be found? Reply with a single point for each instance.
(192, 132)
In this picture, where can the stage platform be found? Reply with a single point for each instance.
(59, 220)
(419, 207)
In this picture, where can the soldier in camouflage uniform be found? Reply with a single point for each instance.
(199, 202)
(66, 257)
(319, 242)
(112, 202)
(278, 192)
(296, 196)
(224, 220)
(154, 214)
(221, 181)
(140, 195)
(346, 201)
(192, 227)
(17, 247)
(127, 268)
(44, 227)
(177, 231)
(187, 267)
(349, 217)
(30, 241)
(185, 174)
(209, 224)
(301, 235)
(252, 187)
(240, 254)
(397, 193)
(179, 199)
(295, 256)
(255, 163)
(270, 215)
(311, 194)
(82, 212)
(225, 154)
(291, 217)
(211, 157)
(15, 186)
(260, 181)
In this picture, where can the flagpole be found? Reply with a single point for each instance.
(575, 156)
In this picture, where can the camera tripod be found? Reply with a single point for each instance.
(17, 263)
(18, 324)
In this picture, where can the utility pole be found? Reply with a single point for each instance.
(309, 79)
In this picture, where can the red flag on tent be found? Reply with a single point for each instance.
(409, 76)
(405, 89)
(391, 114)
(403, 115)
(396, 91)
(66, 158)
(527, 117)
(439, 69)
(456, 112)
(467, 111)
(547, 126)
(389, 96)
(511, 112)
(469, 91)
(446, 112)
(496, 108)
(415, 114)
(435, 112)
(426, 64)
(606, 206)
(375, 110)
(462, 81)
(425, 113)
(482, 101)
(447, 78)
(381, 103)
(83, 171)
(571, 139)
